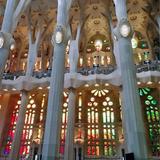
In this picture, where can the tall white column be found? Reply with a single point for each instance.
(135, 133)
(13, 10)
(32, 54)
(14, 154)
(73, 56)
(74, 51)
(69, 143)
(6, 30)
(8, 15)
(117, 55)
(53, 121)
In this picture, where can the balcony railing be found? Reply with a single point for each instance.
(151, 66)
(96, 70)
(102, 158)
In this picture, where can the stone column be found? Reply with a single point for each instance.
(115, 43)
(73, 56)
(53, 120)
(32, 54)
(74, 51)
(14, 154)
(8, 15)
(158, 21)
(135, 133)
(117, 55)
(6, 30)
(69, 143)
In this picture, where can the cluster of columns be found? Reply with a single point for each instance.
(135, 134)
(131, 102)
(12, 14)
(53, 120)
(134, 127)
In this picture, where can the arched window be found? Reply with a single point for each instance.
(101, 129)
(26, 139)
(152, 115)
(64, 122)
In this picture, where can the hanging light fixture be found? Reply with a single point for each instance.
(98, 44)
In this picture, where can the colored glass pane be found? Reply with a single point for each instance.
(149, 97)
(147, 102)
(153, 117)
(154, 102)
(64, 122)
(93, 119)
(27, 131)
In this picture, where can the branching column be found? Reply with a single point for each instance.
(74, 51)
(6, 30)
(135, 133)
(73, 58)
(115, 43)
(12, 14)
(32, 54)
(14, 154)
(69, 143)
(53, 121)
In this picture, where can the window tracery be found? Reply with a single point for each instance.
(152, 115)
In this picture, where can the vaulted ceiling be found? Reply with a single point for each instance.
(94, 14)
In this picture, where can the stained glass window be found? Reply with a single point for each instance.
(28, 127)
(152, 114)
(101, 132)
(79, 106)
(64, 122)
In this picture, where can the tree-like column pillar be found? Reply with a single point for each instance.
(134, 125)
(54, 111)
(5, 36)
(14, 154)
(69, 143)
(11, 16)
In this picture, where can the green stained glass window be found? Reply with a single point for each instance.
(154, 102)
(144, 91)
(147, 102)
(149, 97)
(152, 111)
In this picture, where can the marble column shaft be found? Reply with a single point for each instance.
(6, 28)
(135, 133)
(54, 111)
(32, 55)
(69, 143)
(73, 56)
(14, 154)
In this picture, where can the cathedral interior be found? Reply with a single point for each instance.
(79, 79)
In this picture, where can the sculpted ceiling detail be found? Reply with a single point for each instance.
(92, 13)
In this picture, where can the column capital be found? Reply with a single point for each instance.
(123, 29)
(59, 35)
